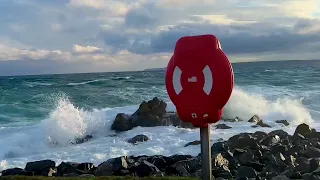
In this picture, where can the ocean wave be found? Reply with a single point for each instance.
(270, 70)
(33, 84)
(86, 82)
(54, 135)
(121, 78)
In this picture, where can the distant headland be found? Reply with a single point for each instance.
(155, 69)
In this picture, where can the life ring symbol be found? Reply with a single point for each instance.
(208, 83)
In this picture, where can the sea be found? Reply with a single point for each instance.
(38, 110)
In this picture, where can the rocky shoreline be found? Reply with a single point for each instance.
(275, 155)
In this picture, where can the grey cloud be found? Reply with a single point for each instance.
(235, 39)
(139, 17)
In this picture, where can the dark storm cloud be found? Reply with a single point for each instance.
(235, 39)
(139, 18)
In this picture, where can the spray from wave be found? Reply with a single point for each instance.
(66, 123)
(244, 105)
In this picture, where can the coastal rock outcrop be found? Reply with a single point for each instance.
(258, 155)
(149, 114)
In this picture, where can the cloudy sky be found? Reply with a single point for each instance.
(61, 36)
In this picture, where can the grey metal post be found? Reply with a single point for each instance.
(206, 153)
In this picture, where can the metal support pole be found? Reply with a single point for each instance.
(206, 153)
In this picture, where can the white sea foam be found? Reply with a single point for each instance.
(85, 82)
(67, 122)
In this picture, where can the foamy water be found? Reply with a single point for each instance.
(67, 122)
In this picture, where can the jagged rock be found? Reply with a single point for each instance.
(222, 126)
(246, 172)
(291, 174)
(193, 143)
(312, 152)
(262, 124)
(149, 114)
(269, 140)
(138, 138)
(258, 135)
(41, 168)
(314, 164)
(104, 169)
(75, 168)
(278, 148)
(12, 172)
(82, 140)
(115, 166)
(284, 122)
(303, 129)
(122, 122)
(237, 119)
(155, 106)
(145, 169)
(173, 119)
(254, 119)
(242, 140)
(247, 157)
(185, 167)
(303, 165)
(281, 133)
(309, 176)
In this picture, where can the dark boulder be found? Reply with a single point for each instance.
(303, 129)
(281, 133)
(222, 126)
(12, 172)
(254, 119)
(169, 119)
(246, 172)
(193, 143)
(75, 168)
(309, 176)
(311, 152)
(314, 164)
(284, 122)
(304, 165)
(145, 169)
(159, 161)
(292, 174)
(42, 168)
(138, 138)
(155, 107)
(115, 166)
(258, 135)
(236, 119)
(270, 140)
(242, 140)
(247, 157)
(185, 167)
(262, 124)
(122, 122)
(82, 140)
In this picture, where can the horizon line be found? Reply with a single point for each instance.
(147, 69)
